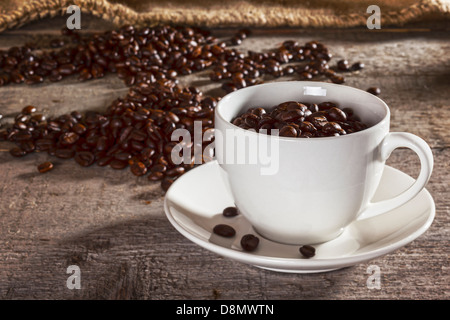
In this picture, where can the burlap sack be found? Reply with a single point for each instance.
(229, 13)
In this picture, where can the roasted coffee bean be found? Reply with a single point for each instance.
(174, 172)
(44, 144)
(357, 66)
(166, 183)
(29, 110)
(307, 251)
(118, 164)
(337, 79)
(138, 168)
(84, 158)
(230, 212)
(64, 153)
(45, 167)
(374, 90)
(17, 152)
(288, 131)
(159, 168)
(332, 127)
(34, 79)
(336, 114)
(343, 65)
(249, 242)
(69, 138)
(155, 176)
(224, 230)
(104, 161)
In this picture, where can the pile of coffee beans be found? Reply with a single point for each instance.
(301, 119)
(135, 131)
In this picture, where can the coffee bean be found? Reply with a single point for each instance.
(336, 114)
(230, 212)
(118, 164)
(104, 161)
(337, 79)
(138, 168)
(374, 90)
(343, 65)
(166, 183)
(307, 251)
(64, 153)
(249, 242)
(155, 176)
(69, 138)
(357, 66)
(45, 167)
(29, 110)
(84, 158)
(224, 230)
(176, 171)
(17, 152)
(288, 131)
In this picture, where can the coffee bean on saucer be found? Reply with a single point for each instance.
(249, 242)
(307, 251)
(230, 212)
(45, 167)
(374, 90)
(224, 230)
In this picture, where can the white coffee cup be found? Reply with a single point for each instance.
(320, 185)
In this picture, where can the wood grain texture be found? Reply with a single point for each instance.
(112, 225)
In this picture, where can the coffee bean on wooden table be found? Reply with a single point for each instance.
(307, 251)
(17, 152)
(224, 230)
(29, 110)
(249, 242)
(343, 65)
(357, 66)
(45, 167)
(84, 158)
(374, 90)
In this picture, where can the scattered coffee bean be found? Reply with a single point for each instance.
(357, 66)
(29, 110)
(45, 167)
(224, 230)
(343, 65)
(249, 242)
(166, 183)
(230, 212)
(307, 251)
(17, 152)
(374, 90)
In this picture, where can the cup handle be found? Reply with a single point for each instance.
(418, 145)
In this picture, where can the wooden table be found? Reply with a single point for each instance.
(111, 224)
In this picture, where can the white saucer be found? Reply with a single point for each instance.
(194, 204)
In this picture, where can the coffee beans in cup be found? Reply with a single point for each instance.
(301, 119)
